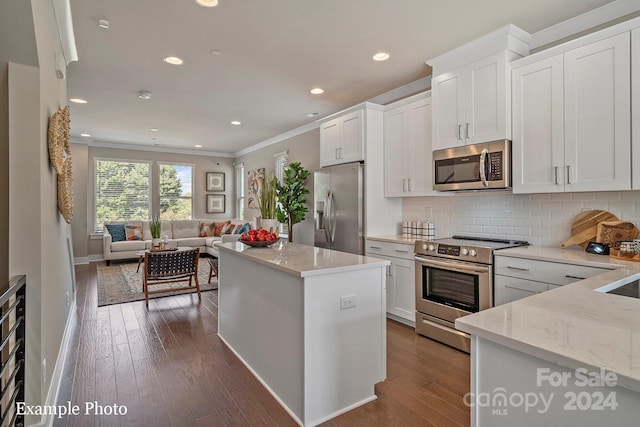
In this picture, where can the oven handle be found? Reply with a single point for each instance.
(453, 266)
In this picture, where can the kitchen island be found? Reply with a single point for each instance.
(569, 356)
(309, 323)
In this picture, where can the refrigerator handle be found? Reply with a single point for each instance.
(327, 219)
(332, 216)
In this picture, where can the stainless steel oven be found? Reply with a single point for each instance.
(454, 278)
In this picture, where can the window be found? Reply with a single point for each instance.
(282, 161)
(176, 191)
(240, 191)
(122, 191)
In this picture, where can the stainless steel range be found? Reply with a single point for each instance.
(454, 278)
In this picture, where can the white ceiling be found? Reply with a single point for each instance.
(273, 53)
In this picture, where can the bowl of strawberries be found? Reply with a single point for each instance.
(258, 238)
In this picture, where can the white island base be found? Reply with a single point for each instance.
(280, 313)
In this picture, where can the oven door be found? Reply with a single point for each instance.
(451, 289)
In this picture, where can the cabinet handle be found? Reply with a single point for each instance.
(517, 268)
(568, 175)
(555, 168)
(337, 154)
(568, 276)
(375, 247)
(460, 132)
(467, 132)
(401, 251)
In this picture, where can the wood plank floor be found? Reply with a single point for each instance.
(169, 368)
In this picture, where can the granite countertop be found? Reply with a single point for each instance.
(395, 238)
(302, 260)
(574, 325)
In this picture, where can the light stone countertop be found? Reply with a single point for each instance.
(302, 260)
(574, 325)
(395, 238)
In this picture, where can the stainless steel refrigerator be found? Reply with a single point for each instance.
(339, 208)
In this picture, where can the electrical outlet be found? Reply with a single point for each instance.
(44, 371)
(68, 299)
(347, 301)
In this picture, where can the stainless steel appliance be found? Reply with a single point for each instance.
(473, 167)
(454, 278)
(339, 208)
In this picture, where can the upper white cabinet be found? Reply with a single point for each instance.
(342, 139)
(407, 148)
(635, 105)
(471, 89)
(571, 118)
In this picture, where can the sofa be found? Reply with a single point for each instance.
(196, 233)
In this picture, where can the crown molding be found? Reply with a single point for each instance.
(278, 138)
(128, 146)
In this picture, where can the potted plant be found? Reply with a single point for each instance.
(292, 195)
(156, 228)
(268, 204)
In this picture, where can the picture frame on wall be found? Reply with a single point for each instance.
(215, 181)
(216, 203)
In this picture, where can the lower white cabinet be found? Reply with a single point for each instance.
(401, 294)
(517, 278)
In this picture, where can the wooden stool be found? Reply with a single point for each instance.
(213, 263)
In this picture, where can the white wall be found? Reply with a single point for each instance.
(541, 219)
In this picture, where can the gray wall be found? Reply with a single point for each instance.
(86, 248)
(303, 148)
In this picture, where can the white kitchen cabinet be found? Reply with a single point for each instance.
(407, 148)
(517, 278)
(471, 104)
(342, 139)
(635, 105)
(401, 293)
(571, 119)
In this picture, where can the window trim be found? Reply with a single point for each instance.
(240, 196)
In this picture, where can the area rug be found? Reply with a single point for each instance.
(120, 283)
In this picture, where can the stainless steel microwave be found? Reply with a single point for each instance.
(473, 167)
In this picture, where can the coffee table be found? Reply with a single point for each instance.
(141, 253)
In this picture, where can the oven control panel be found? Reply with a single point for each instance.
(469, 253)
(449, 250)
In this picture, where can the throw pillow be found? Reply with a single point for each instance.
(117, 232)
(245, 227)
(217, 232)
(134, 232)
(206, 229)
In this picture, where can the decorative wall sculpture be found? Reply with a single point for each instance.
(60, 158)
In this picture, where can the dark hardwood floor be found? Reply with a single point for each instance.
(169, 368)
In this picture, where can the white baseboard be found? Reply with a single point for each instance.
(56, 379)
(401, 320)
(81, 260)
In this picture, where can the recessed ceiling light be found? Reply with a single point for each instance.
(154, 129)
(216, 52)
(313, 114)
(207, 3)
(317, 91)
(144, 94)
(103, 23)
(198, 146)
(78, 100)
(86, 135)
(173, 60)
(381, 56)
(236, 123)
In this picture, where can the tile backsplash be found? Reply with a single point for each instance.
(541, 219)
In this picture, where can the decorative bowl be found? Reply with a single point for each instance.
(262, 244)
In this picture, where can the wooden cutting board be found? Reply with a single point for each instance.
(613, 231)
(585, 227)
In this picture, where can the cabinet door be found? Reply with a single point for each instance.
(486, 100)
(507, 289)
(395, 139)
(597, 87)
(538, 127)
(635, 107)
(401, 292)
(330, 134)
(418, 153)
(352, 147)
(447, 91)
